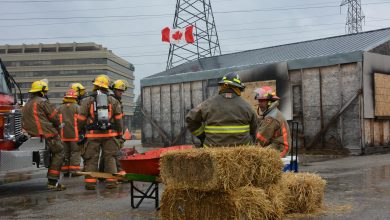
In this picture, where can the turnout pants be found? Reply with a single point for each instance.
(120, 143)
(56, 149)
(72, 157)
(109, 149)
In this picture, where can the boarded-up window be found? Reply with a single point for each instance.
(382, 94)
(249, 94)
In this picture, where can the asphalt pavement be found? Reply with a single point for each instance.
(358, 187)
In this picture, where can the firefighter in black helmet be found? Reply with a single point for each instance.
(225, 119)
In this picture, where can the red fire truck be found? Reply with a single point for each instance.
(12, 157)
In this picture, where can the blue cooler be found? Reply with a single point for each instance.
(288, 166)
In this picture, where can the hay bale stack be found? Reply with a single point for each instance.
(277, 196)
(305, 192)
(208, 169)
(242, 203)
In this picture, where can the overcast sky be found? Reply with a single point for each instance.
(131, 29)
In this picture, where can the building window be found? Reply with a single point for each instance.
(49, 49)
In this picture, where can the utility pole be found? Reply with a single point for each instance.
(354, 16)
(199, 14)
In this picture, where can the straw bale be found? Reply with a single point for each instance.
(221, 168)
(277, 195)
(305, 192)
(242, 203)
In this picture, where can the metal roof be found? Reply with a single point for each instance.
(319, 52)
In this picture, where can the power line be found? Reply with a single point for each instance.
(49, 1)
(152, 33)
(157, 15)
(85, 17)
(76, 22)
(117, 8)
(160, 15)
(84, 10)
(237, 24)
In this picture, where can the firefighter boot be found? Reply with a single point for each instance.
(90, 186)
(111, 184)
(55, 185)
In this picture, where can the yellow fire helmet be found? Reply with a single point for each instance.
(102, 81)
(39, 86)
(120, 84)
(78, 87)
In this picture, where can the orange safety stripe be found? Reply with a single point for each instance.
(62, 129)
(91, 112)
(109, 111)
(111, 180)
(117, 117)
(69, 139)
(81, 117)
(92, 135)
(285, 141)
(49, 135)
(74, 167)
(65, 168)
(54, 172)
(76, 129)
(37, 122)
(90, 180)
(53, 114)
(261, 138)
(118, 133)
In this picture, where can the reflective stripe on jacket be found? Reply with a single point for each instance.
(68, 113)
(87, 117)
(226, 129)
(40, 117)
(226, 119)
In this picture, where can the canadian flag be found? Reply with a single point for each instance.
(178, 36)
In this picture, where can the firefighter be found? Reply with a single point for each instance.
(40, 119)
(225, 119)
(101, 118)
(273, 129)
(80, 91)
(68, 113)
(118, 87)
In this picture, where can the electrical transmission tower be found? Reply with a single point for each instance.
(354, 16)
(199, 14)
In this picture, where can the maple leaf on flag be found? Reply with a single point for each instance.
(177, 35)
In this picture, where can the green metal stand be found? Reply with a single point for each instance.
(151, 191)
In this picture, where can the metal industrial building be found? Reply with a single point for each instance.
(337, 88)
(65, 63)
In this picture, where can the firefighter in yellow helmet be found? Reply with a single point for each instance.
(40, 119)
(100, 118)
(79, 89)
(118, 87)
(68, 113)
(273, 129)
(225, 119)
